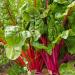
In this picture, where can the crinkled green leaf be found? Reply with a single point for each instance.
(67, 69)
(45, 13)
(64, 35)
(70, 42)
(25, 35)
(13, 36)
(36, 34)
(15, 39)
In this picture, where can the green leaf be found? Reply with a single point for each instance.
(70, 8)
(39, 46)
(12, 52)
(26, 17)
(72, 33)
(67, 69)
(49, 50)
(13, 36)
(26, 34)
(65, 34)
(71, 5)
(72, 22)
(36, 34)
(1, 33)
(16, 70)
(45, 13)
(56, 40)
(70, 42)
(60, 1)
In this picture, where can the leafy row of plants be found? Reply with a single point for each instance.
(38, 33)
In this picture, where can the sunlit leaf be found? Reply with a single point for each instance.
(60, 1)
(45, 13)
(67, 68)
(13, 36)
(12, 52)
(65, 34)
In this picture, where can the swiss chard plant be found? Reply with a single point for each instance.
(38, 33)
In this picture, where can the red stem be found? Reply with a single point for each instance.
(34, 3)
(3, 41)
(20, 61)
(46, 3)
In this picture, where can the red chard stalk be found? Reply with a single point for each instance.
(33, 59)
(51, 61)
(55, 55)
(39, 61)
(3, 41)
(34, 3)
(20, 61)
(43, 40)
(30, 52)
(46, 3)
